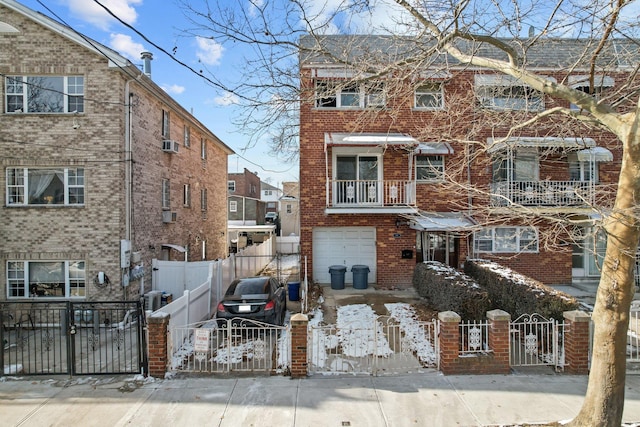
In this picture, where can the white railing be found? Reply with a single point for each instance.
(474, 338)
(542, 193)
(535, 341)
(373, 193)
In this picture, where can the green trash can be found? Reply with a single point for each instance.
(337, 276)
(360, 276)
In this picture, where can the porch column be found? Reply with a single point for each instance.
(499, 339)
(449, 341)
(576, 342)
(158, 325)
(299, 324)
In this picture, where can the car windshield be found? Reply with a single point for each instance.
(256, 287)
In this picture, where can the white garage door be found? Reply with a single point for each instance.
(346, 246)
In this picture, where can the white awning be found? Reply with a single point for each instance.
(593, 154)
(368, 139)
(599, 80)
(433, 148)
(498, 144)
(442, 221)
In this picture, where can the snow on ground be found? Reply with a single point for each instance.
(357, 334)
(416, 333)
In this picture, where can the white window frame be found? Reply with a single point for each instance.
(429, 90)
(233, 206)
(203, 148)
(349, 95)
(166, 194)
(584, 171)
(17, 187)
(166, 124)
(19, 285)
(17, 87)
(268, 192)
(434, 166)
(506, 93)
(289, 208)
(506, 240)
(231, 186)
(186, 195)
(203, 199)
(187, 136)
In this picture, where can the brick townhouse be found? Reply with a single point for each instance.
(102, 170)
(419, 163)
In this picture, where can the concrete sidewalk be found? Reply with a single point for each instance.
(424, 399)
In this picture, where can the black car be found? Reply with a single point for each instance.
(259, 298)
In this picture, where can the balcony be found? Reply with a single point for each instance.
(386, 196)
(543, 193)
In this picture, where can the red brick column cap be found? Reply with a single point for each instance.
(449, 316)
(498, 315)
(299, 318)
(576, 316)
(158, 317)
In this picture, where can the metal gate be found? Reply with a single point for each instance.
(75, 338)
(537, 341)
(234, 345)
(382, 346)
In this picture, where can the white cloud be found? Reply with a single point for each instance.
(93, 13)
(209, 52)
(226, 99)
(173, 89)
(126, 46)
(253, 7)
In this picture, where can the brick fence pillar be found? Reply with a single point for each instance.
(576, 342)
(158, 324)
(449, 341)
(299, 325)
(499, 339)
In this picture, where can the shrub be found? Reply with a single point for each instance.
(449, 290)
(517, 294)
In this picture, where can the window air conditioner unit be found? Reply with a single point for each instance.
(168, 216)
(170, 146)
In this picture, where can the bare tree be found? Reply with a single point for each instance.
(497, 36)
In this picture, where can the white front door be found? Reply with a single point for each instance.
(346, 246)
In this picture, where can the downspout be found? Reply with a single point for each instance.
(326, 173)
(128, 172)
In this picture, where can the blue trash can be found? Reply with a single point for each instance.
(360, 276)
(337, 276)
(294, 291)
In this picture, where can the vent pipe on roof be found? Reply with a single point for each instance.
(147, 57)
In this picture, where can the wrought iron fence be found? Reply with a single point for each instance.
(234, 345)
(536, 340)
(76, 338)
(474, 338)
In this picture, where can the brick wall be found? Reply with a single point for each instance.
(95, 141)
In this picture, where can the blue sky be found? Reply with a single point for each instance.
(162, 22)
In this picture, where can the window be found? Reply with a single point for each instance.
(582, 83)
(583, 171)
(331, 94)
(522, 98)
(166, 194)
(430, 96)
(186, 195)
(165, 125)
(523, 166)
(44, 94)
(231, 186)
(252, 189)
(187, 136)
(203, 199)
(506, 239)
(62, 279)
(271, 205)
(430, 168)
(268, 192)
(289, 208)
(233, 206)
(203, 148)
(45, 186)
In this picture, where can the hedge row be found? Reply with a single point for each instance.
(447, 289)
(517, 294)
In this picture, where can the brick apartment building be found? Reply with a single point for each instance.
(102, 170)
(420, 164)
(245, 206)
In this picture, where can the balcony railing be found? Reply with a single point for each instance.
(367, 193)
(542, 193)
